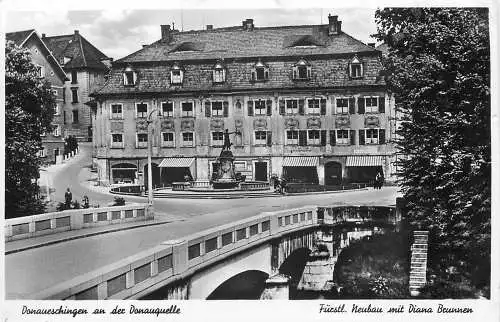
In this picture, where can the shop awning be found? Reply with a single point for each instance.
(364, 161)
(300, 161)
(176, 163)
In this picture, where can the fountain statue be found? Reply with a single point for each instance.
(224, 176)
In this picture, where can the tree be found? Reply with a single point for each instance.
(438, 69)
(29, 109)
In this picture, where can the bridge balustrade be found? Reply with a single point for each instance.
(176, 260)
(54, 222)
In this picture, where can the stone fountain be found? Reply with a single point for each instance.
(224, 176)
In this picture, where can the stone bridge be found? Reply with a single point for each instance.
(259, 257)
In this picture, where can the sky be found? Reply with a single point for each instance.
(119, 32)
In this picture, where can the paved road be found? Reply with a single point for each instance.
(34, 270)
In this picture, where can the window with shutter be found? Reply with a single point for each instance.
(309, 72)
(295, 72)
(313, 106)
(381, 104)
(362, 137)
(352, 105)
(342, 105)
(292, 137)
(269, 104)
(323, 137)
(381, 136)
(342, 137)
(217, 109)
(292, 106)
(260, 107)
(260, 137)
(313, 137)
(282, 107)
(301, 107)
(371, 104)
(250, 108)
(187, 109)
(208, 111)
(303, 138)
(333, 136)
(361, 105)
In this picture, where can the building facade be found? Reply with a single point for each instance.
(86, 68)
(304, 102)
(50, 70)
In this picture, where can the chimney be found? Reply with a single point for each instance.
(76, 35)
(248, 24)
(210, 27)
(371, 44)
(43, 36)
(166, 35)
(144, 46)
(334, 25)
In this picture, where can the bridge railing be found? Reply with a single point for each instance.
(54, 222)
(175, 260)
(357, 214)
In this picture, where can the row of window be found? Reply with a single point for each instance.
(293, 137)
(315, 106)
(302, 70)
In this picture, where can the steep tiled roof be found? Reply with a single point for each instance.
(278, 47)
(82, 53)
(19, 37)
(235, 42)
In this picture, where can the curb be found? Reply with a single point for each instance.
(90, 234)
(241, 196)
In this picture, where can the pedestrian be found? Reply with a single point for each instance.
(377, 181)
(68, 196)
(283, 185)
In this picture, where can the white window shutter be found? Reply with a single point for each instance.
(136, 140)
(308, 71)
(194, 138)
(124, 79)
(135, 78)
(295, 72)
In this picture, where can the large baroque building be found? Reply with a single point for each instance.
(86, 68)
(50, 70)
(305, 102)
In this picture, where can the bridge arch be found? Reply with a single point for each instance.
(247, 285)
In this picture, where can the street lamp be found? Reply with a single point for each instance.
(150, 170)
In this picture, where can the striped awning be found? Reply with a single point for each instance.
(364, 161)
(176, 163)
(300, 161)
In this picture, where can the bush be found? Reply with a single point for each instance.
(119, 201)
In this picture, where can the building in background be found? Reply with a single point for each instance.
(86, 68)
(307, 103)
(50, 70)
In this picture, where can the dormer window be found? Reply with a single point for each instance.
(301, 70)
(260, 72)
(129, 77)
(176, 75)
(355, 68)
(219, 73)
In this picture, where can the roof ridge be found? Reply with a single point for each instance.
(83, 52)
(19, 31)
(370, 47)
(240, 28)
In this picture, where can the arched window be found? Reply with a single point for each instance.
(260, 72)
(129, 76)
(301, 70)
(176, 74)
(219, 73)
(356, 68)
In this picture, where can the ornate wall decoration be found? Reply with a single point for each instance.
(168, 125)
(141, 125)
(187, 125)
(342, 121)
(372, 121)
(238, 124)
(216, 124)
(260, 124)
(291, 123)
(116, 126)
(313, 123)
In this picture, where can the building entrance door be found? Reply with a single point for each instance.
(333, 174)
(260, 171)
